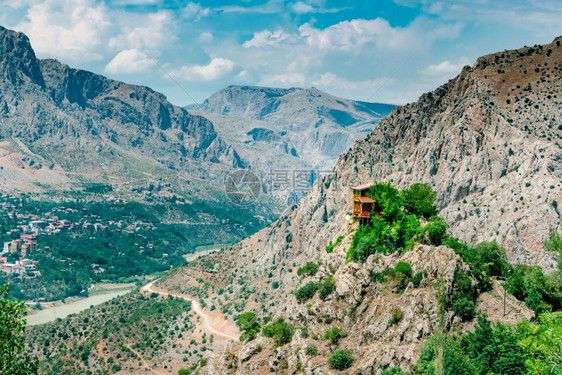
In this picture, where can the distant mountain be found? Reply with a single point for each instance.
(61, 126)
(292, 128)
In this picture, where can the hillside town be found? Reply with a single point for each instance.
(21, 230)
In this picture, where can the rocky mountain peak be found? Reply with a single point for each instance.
(18, 63)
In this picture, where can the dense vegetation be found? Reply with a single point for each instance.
(13, 359)
(393, 228)
(406, 217)
(154, 244)
(524, 348)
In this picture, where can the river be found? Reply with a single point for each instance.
(101, 296)
(62, 311)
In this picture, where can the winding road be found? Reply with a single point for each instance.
(205, 316)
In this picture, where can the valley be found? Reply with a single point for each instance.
(417, 239)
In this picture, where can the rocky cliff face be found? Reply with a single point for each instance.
(489, 142)
(80, 122)
(295, 128)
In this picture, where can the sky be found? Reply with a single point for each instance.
(370, 50)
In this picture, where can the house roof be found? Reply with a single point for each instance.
(366, 200)
(362, 187)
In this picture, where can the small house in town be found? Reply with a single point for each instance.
(362, 204)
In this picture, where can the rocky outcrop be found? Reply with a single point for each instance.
(364, 309)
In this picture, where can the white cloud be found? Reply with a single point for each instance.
(270, 7)
(266, 38)
(354, 89)
(195, 11)
(351, 36)
(445, 70)
(130, 61)
(151, 31)
(446, 67)
(285, 79)
(311, 6)
(217, 68)
(71, 30)
(301, 7)
(206, 37)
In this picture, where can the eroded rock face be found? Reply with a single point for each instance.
(364, 310)
(487, 144)
(86, 123)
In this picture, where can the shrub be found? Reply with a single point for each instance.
(419, 200)
(340, 360)
(248, 324)
(404, 268)
(378, 277)
(306, 292)
(416, 280)
(331, 245)
(334, 335)
(309, 269)
(311, 350)
(280, 331)
(326, 288)
(463, 306)
(388, 200)
(436, 231)
(396, 316)
(554, 244)
(491, 258)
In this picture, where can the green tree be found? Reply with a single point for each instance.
(419, 199)
(437, 231)
(281, 332)
(306, 292)
(248, 324)
(13, 361)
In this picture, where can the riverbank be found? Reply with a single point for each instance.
(204, 250)
(64, 309)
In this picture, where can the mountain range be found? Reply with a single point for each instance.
(61, 128)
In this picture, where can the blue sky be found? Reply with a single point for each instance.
(354, 49)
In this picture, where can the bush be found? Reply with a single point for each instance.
(463, 306)
(340, 360)
(334, 335)
(404, 268)
(306, 292)
(331, 245)
(309, 269)
(311, 350)
(248, 324)
(419, 200)
(281, 332)
(396, 316)
(436, 231)
(326, 288)
(416, 280)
